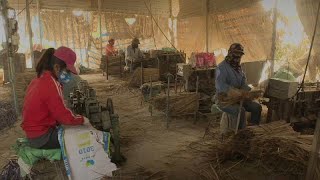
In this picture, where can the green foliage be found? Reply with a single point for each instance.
(286, 51)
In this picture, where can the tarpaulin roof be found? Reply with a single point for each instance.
(242, 21)
(124, 6)
(307, 10)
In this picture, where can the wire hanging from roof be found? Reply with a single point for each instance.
(161, 29)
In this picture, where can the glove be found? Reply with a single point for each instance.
(86, 121)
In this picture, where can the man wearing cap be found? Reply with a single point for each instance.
(110, 49)
(133, 54)
(231, 83)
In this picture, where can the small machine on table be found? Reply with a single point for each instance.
(83, 101)
(290, 101)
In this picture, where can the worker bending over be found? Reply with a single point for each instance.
(44, 108)
(133, 54)
(231, 83)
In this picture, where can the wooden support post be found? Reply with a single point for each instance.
(72, 31)
(142, 80)
(120, 66)
(274, 37)
(67, 32)
(197, 84)
(107, 67)
(150, 95)
(11, 68)
(168, 102)
(30, 33)
(100, 25)
(314, 156)
(207, 24)
(80, 44)
(171, 21)
(87, 40)
(60, 30)
(39, 21)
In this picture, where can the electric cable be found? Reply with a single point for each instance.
(24, 8)
(162, 30)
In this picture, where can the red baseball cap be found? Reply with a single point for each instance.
(68, 56)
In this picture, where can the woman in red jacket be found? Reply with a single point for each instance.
(44, 107)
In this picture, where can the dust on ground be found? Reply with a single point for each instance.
(153, 151)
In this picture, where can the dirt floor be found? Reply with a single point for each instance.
(154, 151)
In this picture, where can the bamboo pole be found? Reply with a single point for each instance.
(274, 36)
(39, 21)
(87, 40)
(60, 29)
(80, 44)
(100, 25)
(207, 24)
(28, 20)
(67, 25)
(314, 156)
(171, 21)
(72, 32)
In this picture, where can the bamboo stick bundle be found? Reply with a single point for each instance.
(147, 73)
(275, 145)
(180, 104)
(234, 96)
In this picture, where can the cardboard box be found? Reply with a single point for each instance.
(282, 89)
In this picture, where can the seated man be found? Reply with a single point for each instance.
(133, 54)
(231, 85)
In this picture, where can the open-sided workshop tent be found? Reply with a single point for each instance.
(190, 25)
(167, 114)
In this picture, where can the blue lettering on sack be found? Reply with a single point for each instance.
(86, 150)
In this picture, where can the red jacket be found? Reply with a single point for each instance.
(44, 107)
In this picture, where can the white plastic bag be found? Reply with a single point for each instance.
(85, 153)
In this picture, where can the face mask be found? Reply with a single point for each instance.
(237, 60)
(64, 77)
(134, 45)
